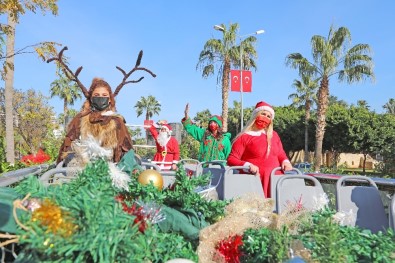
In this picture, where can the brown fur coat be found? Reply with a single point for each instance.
(109, 130)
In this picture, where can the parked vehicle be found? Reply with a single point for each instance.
(303, 166)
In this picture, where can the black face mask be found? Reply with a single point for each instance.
(99, 103)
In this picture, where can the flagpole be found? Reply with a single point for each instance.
(222, 28)
(241, 85)
(241, 74)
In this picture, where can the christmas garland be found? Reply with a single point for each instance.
(91, 219)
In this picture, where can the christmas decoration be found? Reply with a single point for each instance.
(90, 219)
(151, 176)
(228, 249)
(119, 179)
(38, 158)
(54, 219)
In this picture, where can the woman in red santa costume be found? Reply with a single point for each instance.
(167, 148)
(259, 147)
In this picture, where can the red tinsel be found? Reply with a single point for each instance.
(134, 210)
(297, 206)
(144, 212)
(38, 158)
(229, 248)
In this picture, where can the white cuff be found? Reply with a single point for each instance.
(247, 164)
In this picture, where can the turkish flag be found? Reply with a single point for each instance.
(235, 80)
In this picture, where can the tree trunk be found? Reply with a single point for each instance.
(225, 95)
(323, 100)
(146, 130)
(306, 132)
(365, 155)
(66, 114)
(9, 90)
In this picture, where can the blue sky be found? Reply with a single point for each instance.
(103, 34)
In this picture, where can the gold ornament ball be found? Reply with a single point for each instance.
(153, 176)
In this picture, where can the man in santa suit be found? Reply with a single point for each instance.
(167, 149)
(259, 147)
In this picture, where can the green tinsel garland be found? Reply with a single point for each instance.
(105, 232)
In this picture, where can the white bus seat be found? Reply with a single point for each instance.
(237, 184)
(392, 213)
(190, 166)
(275, 177)
(169, 177)
(216, 169)
(363, 202)
(292, 190)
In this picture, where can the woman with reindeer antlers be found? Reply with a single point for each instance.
(98, 119)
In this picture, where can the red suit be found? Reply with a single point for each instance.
(170, 153)
(251, 147)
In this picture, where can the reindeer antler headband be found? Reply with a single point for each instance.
(74, 76)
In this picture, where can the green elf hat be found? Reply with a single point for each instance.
(217, 119)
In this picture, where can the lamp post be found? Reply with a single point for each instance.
(261, 31)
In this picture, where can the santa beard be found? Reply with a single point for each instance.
(163, 138)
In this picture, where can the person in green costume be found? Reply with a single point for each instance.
(214, 143)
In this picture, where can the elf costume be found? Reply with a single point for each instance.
(211, 147)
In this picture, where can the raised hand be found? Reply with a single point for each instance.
(186, 111)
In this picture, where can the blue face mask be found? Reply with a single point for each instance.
(100, 103)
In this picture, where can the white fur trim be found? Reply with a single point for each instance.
(255, 133)
(266, 108)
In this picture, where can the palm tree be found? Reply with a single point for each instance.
(390, 106)
(224, 53)
(67, 90)
(150, 105)
(305, 96)
(332, 57)
(202, 118)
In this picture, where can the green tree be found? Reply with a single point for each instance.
(202, 118)
(13, 9)
(334, 100)
(224, 53)
(62, 118)
(305, 97)
(390, 106)
(34, 120)
(289, 125)
(66, 90)
(386, 144)
(148, 105)
(234, 117)
(332, 56)
(337, 136)
(363, 130)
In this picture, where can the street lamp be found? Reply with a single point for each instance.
(261, 31)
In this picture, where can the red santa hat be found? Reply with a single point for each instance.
(167, 127)
(260, 106)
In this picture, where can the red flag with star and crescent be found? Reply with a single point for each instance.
(235, 80)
